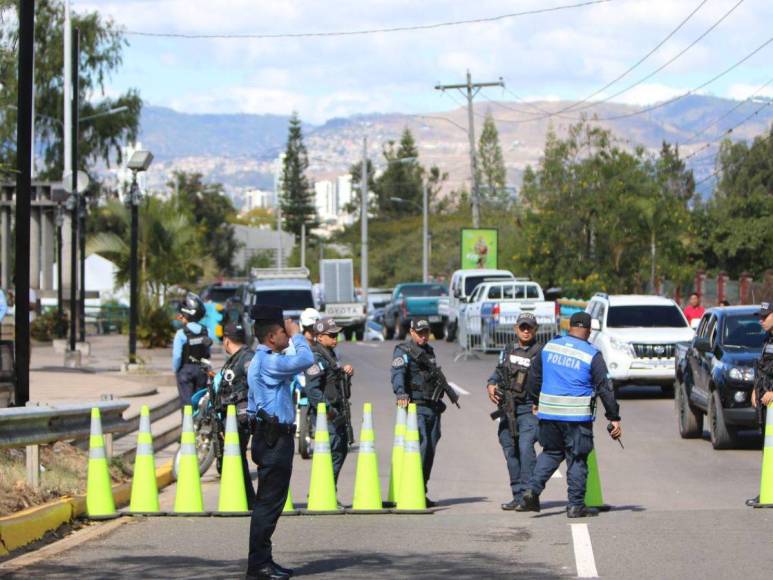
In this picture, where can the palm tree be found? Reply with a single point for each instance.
(170, 249)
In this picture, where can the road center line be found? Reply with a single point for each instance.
(583, 552)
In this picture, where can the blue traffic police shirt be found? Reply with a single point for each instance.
(179, 341)
(269, 378)
(3, 305)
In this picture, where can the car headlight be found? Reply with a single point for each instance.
(741, 374)
(621, 345)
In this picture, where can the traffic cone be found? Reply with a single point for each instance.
(322, 490)
(367, 487)
(188, 499)
(397, 458)
(233, 494)
(100, 504)
(289, 509)
(411, 496)
(766, 481)
(144, 498)
(593, 496)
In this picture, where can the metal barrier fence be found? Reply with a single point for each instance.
(486, 334)
(35, 425)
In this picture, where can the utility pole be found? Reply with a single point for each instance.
(425, 237)
(303, 245)
(470, 90)
(74, 195)
(364, 222)
(23, 200)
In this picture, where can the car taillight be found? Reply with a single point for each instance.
(558, 309)
(495, 312)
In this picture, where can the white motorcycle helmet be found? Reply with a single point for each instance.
(309, 317)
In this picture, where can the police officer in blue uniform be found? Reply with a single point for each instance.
(272, 415)
(191, 345)
(410, 362)
(324, 385)
(565, 380)
(762, 392)
(514, 399)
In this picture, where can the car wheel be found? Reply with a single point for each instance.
(359, 333)
(387, 331)
(722, 437)
(348, 333)
(401, 330)
(450, 332)
(690, 419)
(438, 330)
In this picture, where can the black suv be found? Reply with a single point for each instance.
(715, 373)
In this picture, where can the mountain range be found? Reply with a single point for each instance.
(240, 150)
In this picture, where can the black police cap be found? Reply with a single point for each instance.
(263, 313)
(580, 320)
(235, 331)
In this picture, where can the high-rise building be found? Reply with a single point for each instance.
(325, 200)
(257, 198)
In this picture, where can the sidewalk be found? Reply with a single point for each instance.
(52, 383)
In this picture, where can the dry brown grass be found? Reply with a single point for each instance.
(64, 469)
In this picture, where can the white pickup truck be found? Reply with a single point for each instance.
(490, 314)
(463, 284)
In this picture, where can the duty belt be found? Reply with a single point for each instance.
(282, 428)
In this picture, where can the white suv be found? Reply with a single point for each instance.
(637, 336)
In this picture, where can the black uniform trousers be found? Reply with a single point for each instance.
(244, 441)
(275, 466)
(190, 378)
(428, 417)
(564, 440)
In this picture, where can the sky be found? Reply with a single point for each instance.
(561, 55)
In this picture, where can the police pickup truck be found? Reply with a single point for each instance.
(715, 373)
(492, 309)
(463, 284)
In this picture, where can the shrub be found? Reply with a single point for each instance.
(49, 325)
(155, 329)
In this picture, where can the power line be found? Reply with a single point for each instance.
(362, 32)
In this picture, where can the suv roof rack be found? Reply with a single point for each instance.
(279, 273)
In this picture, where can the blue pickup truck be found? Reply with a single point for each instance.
(414, 300)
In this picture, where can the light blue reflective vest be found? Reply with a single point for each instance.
(567, 388)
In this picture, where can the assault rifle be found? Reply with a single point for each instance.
(506, 407)
(439, 385)
(346, 406)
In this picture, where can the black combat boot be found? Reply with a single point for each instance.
(511, 505)
(529, 503)
(575, 511)
(752, 501)
(282, 569)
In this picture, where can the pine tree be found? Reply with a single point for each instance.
(296, 195)
(492, 175)
(401, 179)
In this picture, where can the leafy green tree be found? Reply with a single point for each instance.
(492, 175)
(101, 43)
(297, 197)
(737, 220)
(212, 213)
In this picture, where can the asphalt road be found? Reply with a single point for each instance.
(678, 508)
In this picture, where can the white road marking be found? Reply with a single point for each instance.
(556, 475)
(583, 552)
(458, 389)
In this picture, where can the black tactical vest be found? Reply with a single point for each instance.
(332, 374)
(518, 364)
(418, 368)
(763, 375)
(196, 346)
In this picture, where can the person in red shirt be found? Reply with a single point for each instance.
(694, 309)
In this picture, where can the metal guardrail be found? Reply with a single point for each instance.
(21, 426)
(32, 426)
(482, 334)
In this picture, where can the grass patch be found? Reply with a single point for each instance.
(63, 472)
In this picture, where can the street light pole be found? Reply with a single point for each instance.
(74, 195)
(82, 236)
(133, 270)
(425, 237)
(364, 222)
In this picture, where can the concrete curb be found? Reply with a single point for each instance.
(32, 524)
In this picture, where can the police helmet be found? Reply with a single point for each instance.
(309, 317)
(192, 307)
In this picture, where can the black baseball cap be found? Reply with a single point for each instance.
(419, 324)
(580, 320)
(527, 318)
(264, 313)
(327, 326)
(235, 331)
(765, 309)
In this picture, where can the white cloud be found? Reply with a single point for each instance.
(742, 91)
(646, 94)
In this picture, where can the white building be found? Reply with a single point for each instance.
(325, 200)
(257, 198)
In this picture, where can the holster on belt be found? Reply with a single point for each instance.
(268, 426)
